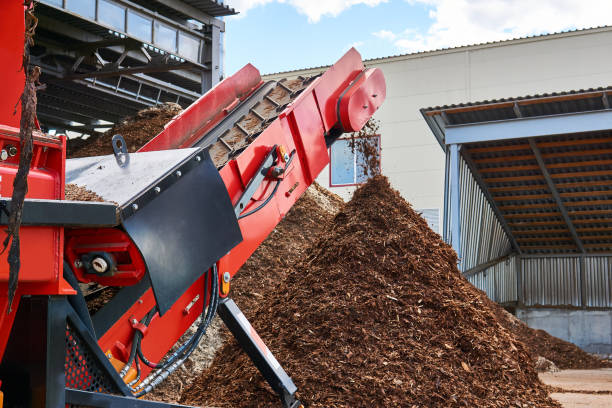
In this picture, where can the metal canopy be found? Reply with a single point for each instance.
(440, 118)
(544, 165)
(554, 193)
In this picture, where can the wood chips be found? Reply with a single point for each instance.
(377, 315)
(136, 130)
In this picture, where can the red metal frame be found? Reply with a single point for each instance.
(353, 184)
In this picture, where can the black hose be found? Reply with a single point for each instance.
(131, 358)
(189, 344)
(168, 368)
(262, 205)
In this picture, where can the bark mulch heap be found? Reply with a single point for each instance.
(136, 130)
(259, 277)
(565, 355)
(377, 315)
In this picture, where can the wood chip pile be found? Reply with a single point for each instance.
(261, 275)
(136, 130)
(377, 314)
(563, 354)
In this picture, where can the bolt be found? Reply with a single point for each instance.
(226, 277)
(140, 301)
(178, 173)
(157, 190)
(12, 151)
(78, 263)
(134, 321)
(135, 207)
(198, 158)
(99, 265)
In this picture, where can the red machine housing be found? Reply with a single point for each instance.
(342, 99)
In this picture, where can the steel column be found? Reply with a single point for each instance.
(455, 199)
(520, 297)
(445, 234)
(582, 280)
(555, 194)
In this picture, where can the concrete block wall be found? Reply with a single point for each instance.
(591, 330)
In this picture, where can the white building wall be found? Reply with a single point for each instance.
(411, 157)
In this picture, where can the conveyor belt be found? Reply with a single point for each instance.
(251, 118)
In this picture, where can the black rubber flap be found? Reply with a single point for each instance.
(183, 231)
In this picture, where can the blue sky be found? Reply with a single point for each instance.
(280, 35)
(276, 37)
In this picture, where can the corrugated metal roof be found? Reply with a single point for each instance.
(213, 8)
(554, 103)
(457, 48)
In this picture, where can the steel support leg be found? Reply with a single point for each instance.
(94, 399)
(56, 352)
(258, 352)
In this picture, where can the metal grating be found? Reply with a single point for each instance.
(82, 370)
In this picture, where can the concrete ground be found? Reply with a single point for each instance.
(583, 388)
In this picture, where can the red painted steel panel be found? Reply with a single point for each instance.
(189, 126)
(308, 133)
(11, 50)
(333, 82)
(362, 99)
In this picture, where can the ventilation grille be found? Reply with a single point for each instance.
(83, 372)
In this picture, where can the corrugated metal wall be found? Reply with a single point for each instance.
(545, 281)
(597, 281)
(498, 281)
(482, 236)
(551, 281)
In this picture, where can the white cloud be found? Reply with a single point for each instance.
(356, 44)
(313, 9)
(463, 22)
(385, 35)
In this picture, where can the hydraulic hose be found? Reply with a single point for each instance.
(163, 370)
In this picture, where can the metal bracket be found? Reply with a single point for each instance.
(256, 181)
(120, 150)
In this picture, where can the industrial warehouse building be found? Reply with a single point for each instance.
(532, 216)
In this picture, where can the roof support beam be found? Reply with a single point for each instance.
(555, 194)
(483, 187)
(530, 127)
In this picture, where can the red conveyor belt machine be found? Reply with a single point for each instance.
(175, 227)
